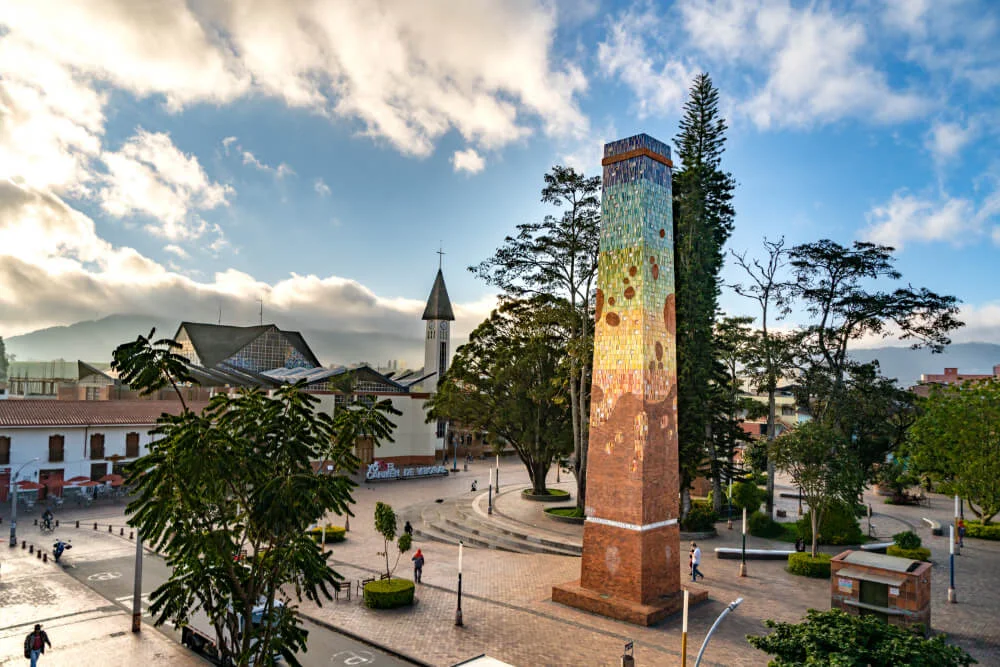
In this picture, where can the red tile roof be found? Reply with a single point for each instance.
(87, 413)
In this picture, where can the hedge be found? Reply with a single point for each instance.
(977, 529)
(701, 517)
(805, 565)
(838, 527)
(917, 553)
(333, 533)
(761, 525)
(389, 593)
(907, 540)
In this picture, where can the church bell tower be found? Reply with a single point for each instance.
(438, 317)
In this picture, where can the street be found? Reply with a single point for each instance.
(112, 578)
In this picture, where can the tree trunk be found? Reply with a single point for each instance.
(813, 519)
(770, 463)
(716, 471)
(540, 470)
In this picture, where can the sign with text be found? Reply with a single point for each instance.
(379, 471)
(845, 585)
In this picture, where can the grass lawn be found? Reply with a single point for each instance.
(566, 511)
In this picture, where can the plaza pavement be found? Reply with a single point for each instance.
(508, 612)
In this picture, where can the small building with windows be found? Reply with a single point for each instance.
(70, 439)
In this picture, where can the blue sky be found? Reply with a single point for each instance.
(313, 154)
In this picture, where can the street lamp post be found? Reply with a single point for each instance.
(458, 611)
(13, 503)
(729, 523)
(743, 553)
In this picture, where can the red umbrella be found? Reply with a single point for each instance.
(77, 479)
(26, 485)
(88, 483)
(116, 480)
(55, 483)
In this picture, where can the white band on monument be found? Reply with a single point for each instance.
(632, 526)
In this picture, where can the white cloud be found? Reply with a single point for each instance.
(279, 172)
(909, 217)
(227, 142)
(321, 188)
(176, 250)
(630, 52)
(150, 176)
(468, 161)
(945, 140)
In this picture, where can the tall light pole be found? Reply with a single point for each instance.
(13, 503)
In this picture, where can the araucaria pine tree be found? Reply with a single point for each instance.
(703, 221)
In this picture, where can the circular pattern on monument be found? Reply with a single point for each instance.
(659, 351)
(632, 270)
(599, 304)
(612, 319)
(663, 233)
(656, 271)
(629, 292)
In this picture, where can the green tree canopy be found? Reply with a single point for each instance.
(238, 480)
(957, 437)
(3, 360)
(557, 259)
(837, 639)
(703, 221)
(511, 380)
(818, 459)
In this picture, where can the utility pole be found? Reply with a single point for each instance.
(137, 586)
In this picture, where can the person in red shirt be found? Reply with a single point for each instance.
(34, 644)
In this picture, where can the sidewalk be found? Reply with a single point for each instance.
(85, 629)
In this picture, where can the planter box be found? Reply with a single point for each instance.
(547, 498)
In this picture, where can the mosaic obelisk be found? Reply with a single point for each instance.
(631, 551)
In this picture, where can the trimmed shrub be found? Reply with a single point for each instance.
(572, 512)
(333, 534)
(804, 565)
(916, 553)
(746, 494)
(761, 525)
(838, 527)
(700, 518)
(389, 593)
(977, 529)
(907, 540)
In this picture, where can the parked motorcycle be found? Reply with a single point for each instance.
(58, 548)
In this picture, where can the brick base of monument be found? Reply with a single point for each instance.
(572, 594)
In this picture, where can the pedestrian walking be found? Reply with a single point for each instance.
(408, 529)
(418, 565)
(961, 532)
(695, 562)
(34, 644)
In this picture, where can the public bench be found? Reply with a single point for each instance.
(877, 547)
(935, 526)
(753, 554)
(341, 587)
(368, 580)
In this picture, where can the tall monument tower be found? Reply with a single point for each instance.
(631, 552)
(438, 315)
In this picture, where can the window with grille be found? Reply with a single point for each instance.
(4, 451)
(132, 445)
(97, 446)
(57, 448)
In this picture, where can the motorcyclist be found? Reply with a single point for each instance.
(47, 517)
(58, 548)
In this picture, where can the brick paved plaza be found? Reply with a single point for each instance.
(508, 612)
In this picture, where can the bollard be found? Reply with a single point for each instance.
(38, 554)
(31, 548)
(122, 533)
(45, 558)
(36, 522)
(57, 523)
(130, 534)
(109, 528)
(95, 525)
(628, 660)
(77, 524)
(347, 523)
(23, 544)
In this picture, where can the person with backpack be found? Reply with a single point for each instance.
(418, 565)
(34, 644)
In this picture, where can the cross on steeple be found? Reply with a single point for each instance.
(441, 253)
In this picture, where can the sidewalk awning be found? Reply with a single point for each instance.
(878, 578)
(27, 485)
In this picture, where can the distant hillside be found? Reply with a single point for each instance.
(95, 340)
(906, 365)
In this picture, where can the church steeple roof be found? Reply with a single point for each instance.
(438, 303)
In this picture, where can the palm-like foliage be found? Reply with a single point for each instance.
(150, 365)
(235, 480)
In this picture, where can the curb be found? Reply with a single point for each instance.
(364, 640)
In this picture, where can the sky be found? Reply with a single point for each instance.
(311, 157)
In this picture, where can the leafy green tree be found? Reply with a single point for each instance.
(814, 456)
(238, 479)
(557, 258)
(767, 286)
(511, 380)
(957, 437)
(4, 362)
(703, 221)
(385, 525)
(839, 639)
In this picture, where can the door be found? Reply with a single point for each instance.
(4, 484)
(877, 595)
(97, 471)
(365, 450)
(52, 481)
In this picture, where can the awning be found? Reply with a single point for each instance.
(853, 573)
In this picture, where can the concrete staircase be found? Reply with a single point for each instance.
(454, 520)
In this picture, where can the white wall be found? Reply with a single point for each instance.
(412, 436)
(28, 442)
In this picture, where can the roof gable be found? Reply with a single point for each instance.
(216, 342)
(438, 303)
